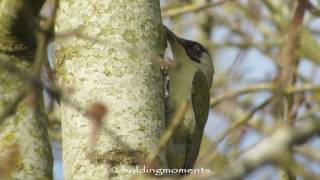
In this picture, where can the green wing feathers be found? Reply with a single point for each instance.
(200, 98)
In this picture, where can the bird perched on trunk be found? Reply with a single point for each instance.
(190, 81)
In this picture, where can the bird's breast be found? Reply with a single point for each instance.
(180, 84)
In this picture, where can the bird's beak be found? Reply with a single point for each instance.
(172, 38)
(182, 42)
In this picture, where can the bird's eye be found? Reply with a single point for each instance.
(197, 48)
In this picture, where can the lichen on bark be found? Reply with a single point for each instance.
(25, 151)
(125, 79)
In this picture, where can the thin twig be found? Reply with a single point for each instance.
(308, 152)
(313, 9)
(288, 60)
(30, 78)
(271, 150)
(234, 126)
(10, 109)
(33, 78)
(43, 37)
(262, 87)
(192, 8)
(175, 122)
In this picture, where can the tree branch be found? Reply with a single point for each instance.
(194, 7)
(262, 87)
(175, 122)
(272, 149)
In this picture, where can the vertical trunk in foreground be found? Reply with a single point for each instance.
(25, 151)
(122, 78)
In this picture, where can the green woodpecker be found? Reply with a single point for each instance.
(190, 81)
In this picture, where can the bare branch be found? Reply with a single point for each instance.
(313, 9)
(192, 8)
(175, 122)
(262, 87)
(11, 108)
(272, 149)
(234, 126)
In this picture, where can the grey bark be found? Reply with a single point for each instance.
(110, 62)
(25, 152)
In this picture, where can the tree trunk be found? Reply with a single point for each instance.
(111, 63)
(25, 152)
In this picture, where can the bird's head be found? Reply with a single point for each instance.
(196, 53)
